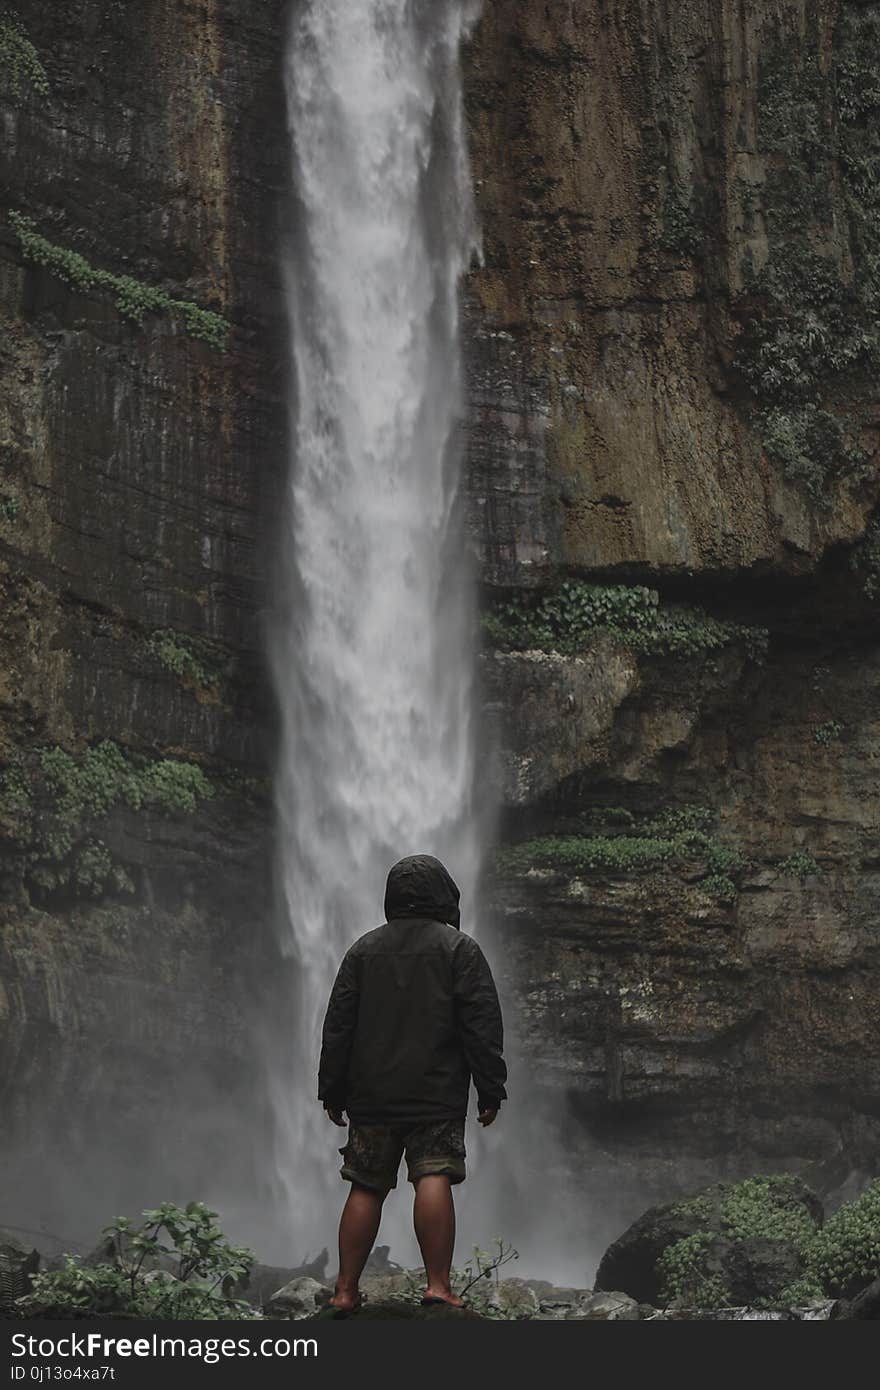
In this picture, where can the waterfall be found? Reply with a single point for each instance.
(371, 651)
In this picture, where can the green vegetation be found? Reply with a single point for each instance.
(478, 1279)
(48, 808)
(766, 1208)
(661, 842)
(133, 297)
(683, 1275)
(19, 61)
(827, 732)
(800, 864)
(812, 335)
(176, 1264)
(9, 506)
(194, 660)
(566, 619)
(845, 1253)
(839, 1258)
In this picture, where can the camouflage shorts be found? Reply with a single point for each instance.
(373, 1152)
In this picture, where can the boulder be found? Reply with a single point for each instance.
(755, 1270)
(559, 1304)
(630, 1262)
(299, 1298)
(509, 1298)
(752, 1269)
(606, 1307)
(865, 1307)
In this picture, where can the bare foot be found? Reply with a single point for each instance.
(435, 1295)
(346, 1300)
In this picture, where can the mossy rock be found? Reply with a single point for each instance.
(731, 1243)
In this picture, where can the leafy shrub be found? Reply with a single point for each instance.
(670, 838)
(683, 1276)
(19, 60)
(566, 619)
(133, 297)
(137, 1281)
(766, 1207)
(49, 808)
(800, 864)
(845, 1255)
(839, 1258)
(191, 659)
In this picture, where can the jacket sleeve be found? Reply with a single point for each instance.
(479, 1021)
(338, 1033)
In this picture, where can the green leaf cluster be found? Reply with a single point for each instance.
(839, 1258)
(801, 864)
(192, 659)
(567, 618)
(133, 297)
(845, 1253)
(827, 732)
(664, 841)
(683, 1276)
(177, 1263)
(19, 61)
(49, 807)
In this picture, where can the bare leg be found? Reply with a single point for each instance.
(434, 1222)
(358, 1227)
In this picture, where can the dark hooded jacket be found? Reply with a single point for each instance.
(413, 1013)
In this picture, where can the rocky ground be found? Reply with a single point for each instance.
(759, 1250)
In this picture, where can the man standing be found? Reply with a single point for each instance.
(413, 1016)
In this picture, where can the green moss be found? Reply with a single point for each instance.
(567, 618)
(194, 660)
(133, 297)
(50, 806)
(663, 842)
(19, 61)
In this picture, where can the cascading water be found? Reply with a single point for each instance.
(372, 650)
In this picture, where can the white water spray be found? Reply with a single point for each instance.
(372, 651)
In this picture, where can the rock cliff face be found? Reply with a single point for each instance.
(666, 389)
(141, 471)
(671, 348)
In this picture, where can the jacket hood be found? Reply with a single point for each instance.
(420, 886)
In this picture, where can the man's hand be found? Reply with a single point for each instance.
(486, 1117)
(335, 1114)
